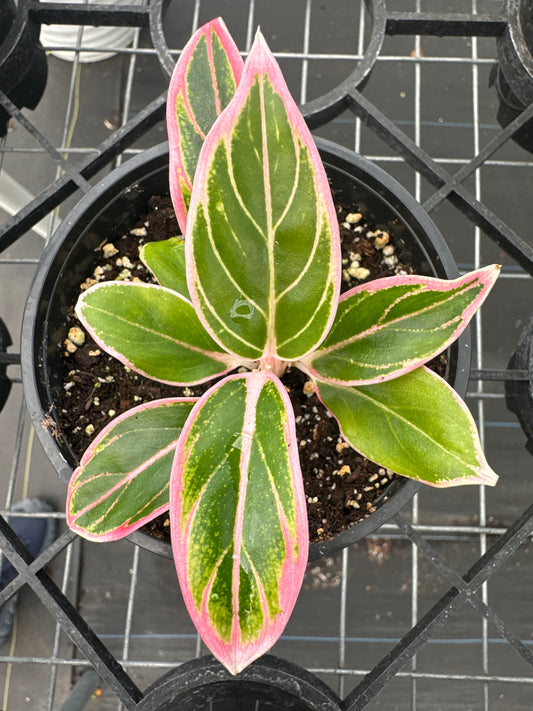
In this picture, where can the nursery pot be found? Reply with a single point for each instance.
(23, 66)
(114, 206)
(102, 37)
(512, 76)
(269, 684)
(519, 393)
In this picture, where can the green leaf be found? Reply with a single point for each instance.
(152, 330)
(262, 237)
(415, 425)
(166, 261)
(202, 84)
(238, 516)
(390, 326)
(123, 478)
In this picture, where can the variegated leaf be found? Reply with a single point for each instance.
(262, 242)
(152, 330)
(202, 84)
(390, 326)
(238, 516)
(123, 478)
(415, 425)
(166, 261)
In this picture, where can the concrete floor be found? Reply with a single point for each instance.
(355, 607)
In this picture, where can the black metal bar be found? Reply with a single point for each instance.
(9, 359)
(105, 664)
(503, 374)
(492, 146)
(445, 24)
(56, 156)
(420, 160)
(415, 639)
(58, 191)
(59, 13)
(40, 562)
(462, 586)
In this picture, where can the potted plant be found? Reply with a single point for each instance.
(253, 288)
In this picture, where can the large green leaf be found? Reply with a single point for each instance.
(238, 516)
(202, 84)
(153, 330)
(390, 326)
(123, 478)
(262, 238)
(415, 425)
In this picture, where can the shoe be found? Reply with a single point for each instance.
(36, 534)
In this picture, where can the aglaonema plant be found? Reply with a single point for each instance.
(255, 286)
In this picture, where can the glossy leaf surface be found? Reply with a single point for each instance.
(166, 261)
(152, 330)
(262, 239)
(415, 425)
(238, 516)
(123, 478)
(393, 325)
(202, 84)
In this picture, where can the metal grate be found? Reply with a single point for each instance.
(435, 610)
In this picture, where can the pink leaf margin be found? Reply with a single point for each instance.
(178, 85)
(261, 61)
(229, 360)
(125, 529)
(234, 656)
(485, 276)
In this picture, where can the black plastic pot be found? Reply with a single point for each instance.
(23, 65)
(113, 207)
(269, 684)
(519, 393)
(512, 75)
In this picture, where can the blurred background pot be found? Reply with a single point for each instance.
(23, 66)
(77, 36)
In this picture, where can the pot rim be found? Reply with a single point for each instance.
(269, 671)
(375, 180)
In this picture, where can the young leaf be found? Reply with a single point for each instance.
(262, 242)
(166, 261)
(202, 84)
(390, 326)
(123, 478)
(152, 330)
(238, 516)
(415, 425)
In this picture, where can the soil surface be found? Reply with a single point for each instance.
(342, 487)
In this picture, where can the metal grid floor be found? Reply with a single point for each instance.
(420, 616)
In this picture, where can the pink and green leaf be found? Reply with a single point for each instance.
(166, 261)
(123, 478)
(416, 425)
(262, 246)
(153, 330)
(238, 516)
(390, 326)
(202, 84)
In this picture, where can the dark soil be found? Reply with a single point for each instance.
(341, 486)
